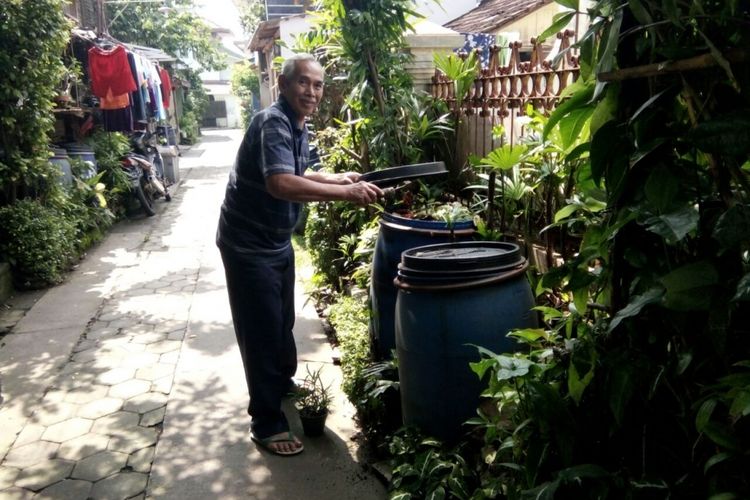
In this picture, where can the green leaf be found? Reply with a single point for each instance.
(740, 405)
(565, 212)
(723, 496)
(714, 460)
(703, 416)
(662, 187)
(743, 289)
(576, 383)
(572, 126)
(733, 227)
(689, 287)
(721, 436)
(640, 13)
(559, 22)
(505, 157)
(529, 335)
(436, 494)
(400, 495)
(673, 227)
(727, 134)
(611, 37)
(637, 303)
(581, 95)
(509, 367)
(571, 4)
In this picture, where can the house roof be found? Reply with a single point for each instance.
(491, 15)
(265, 35)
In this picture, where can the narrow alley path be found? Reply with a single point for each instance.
(125, 381)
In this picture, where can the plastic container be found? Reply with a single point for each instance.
(396, 235)
(451, 298)
(61, 159)
(84, 153)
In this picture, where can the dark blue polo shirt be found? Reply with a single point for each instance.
(252, 221)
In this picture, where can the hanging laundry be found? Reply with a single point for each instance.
(109, 71)
(166, 87)
(481, 41)
(139, 108)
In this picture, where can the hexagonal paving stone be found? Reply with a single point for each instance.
(170, 358)
(115, 423)
(178, 335)
(164, 346)
(43, 474)
(52, 413)
(69, 488)
(129, 389)
(30, 454)
(163, 385)
(83, 446)
(134, 439)
(139, 329)
(154, 372)
(17, 493)
(100, 408)
(116, 376)
(171, 325)
(102, 332)
(29, 434)
(140, 360)
(119, 486)
(100, 465)
(84, 395)
(153, 417)
(145, 402)
(8, 476)
(68, 429)
(141, 460)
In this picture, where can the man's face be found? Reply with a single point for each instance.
(305, 89)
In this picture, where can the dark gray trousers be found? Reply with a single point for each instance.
(261, 296)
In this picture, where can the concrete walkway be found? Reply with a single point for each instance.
(125, 381)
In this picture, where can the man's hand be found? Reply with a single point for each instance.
(363, 193)
(349, 177)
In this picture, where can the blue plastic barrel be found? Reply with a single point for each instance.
(451, 298)
(86, 154)
(396, 235)
(61, 159)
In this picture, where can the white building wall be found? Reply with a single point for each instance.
(289, 28)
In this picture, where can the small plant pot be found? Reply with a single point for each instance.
(313, 425)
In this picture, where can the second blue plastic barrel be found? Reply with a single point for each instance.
(442, 312)
(396, 235)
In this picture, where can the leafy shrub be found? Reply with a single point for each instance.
(85, 204)
(372, 388)
(38, 241)
(109, 147)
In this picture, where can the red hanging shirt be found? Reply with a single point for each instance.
(166, 87)
(110, 72)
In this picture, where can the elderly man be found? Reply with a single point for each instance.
(260, 210)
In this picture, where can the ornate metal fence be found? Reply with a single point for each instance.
(500, 94)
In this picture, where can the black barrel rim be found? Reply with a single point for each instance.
(462, 256)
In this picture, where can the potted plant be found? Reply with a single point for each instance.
(312, 401)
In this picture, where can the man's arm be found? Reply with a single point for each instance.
(291, 187)
(329, 178)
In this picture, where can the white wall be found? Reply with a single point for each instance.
(288, 29)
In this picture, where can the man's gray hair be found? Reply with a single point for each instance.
(290, 63)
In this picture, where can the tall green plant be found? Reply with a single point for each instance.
(638, 387)
(33, 34)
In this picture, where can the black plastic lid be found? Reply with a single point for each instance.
(446, 258)
(394, 175)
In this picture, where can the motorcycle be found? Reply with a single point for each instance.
(145, 168)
